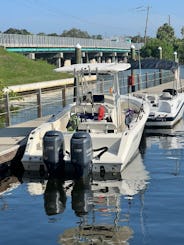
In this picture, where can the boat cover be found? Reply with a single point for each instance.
(151, 63)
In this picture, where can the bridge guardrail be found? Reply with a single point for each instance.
(18, 40)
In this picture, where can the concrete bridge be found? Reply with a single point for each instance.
(62, 49)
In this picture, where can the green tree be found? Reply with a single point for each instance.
(137, 39)
(97, 36)
(166, 33)
(180, 50)
(182, 31)
(52, 34)
(151, 49)
(75, 33)
(17, 31)
(41, 34)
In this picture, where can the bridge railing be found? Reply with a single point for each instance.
(22, 108)
(18, 40)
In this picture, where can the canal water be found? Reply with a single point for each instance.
(143, 206)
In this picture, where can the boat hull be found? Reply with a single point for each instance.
(168, 121)
(122, 146)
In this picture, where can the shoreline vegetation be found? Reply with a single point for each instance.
(17, 69)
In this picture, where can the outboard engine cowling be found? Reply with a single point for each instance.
(81, 149)
(53, 149)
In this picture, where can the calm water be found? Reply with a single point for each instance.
(145, 207)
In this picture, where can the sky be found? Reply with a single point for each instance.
(105, 17)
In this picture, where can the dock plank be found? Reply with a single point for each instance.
(14, 137)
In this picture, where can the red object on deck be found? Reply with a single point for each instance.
(101, 112)
(131, 80)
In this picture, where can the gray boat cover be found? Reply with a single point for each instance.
(151, 63)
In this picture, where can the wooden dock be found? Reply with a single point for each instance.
(13, 139)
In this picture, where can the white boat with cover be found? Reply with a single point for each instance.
(101, 128)
(166, 109)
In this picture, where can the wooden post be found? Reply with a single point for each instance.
(75, 89)
(101, 86)
(160, 76)
(154, 75)
(138, 80)
(7, 108)
(78, 54)
(132, 71)
(64, 96)
(39, 103)
(146, 74)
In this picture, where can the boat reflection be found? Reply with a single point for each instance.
(178, 129)
(168, 138)
(96, 200)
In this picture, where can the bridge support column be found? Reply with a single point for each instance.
(78, 54)
(99, 57)
(114, 57)
(31, 56)
(87, 57)
(67, 62)
(108, 60)
(125, 57)
(60, 56)
(84, 57)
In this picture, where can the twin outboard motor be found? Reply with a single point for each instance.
(81, 153)
(53, 149)
(81, 149)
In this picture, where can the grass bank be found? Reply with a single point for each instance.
(18, 69)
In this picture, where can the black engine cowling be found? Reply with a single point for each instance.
(53, 149)
(81, 149)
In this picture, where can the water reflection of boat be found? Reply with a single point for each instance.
(176, 130)
(131, 181)
(36, 184)
(168, 138)
(96, 235)
(94, 198)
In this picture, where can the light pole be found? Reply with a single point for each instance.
(132, 52)
(177, 71)
(160, 71)
(175, 56)
(160, 52)
(145, 32)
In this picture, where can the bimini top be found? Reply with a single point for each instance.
(96, 67)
